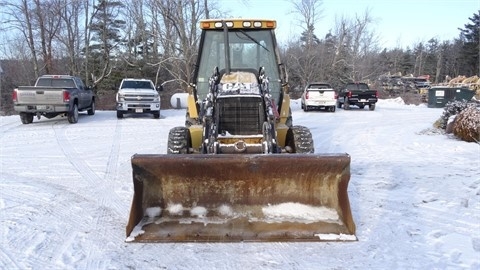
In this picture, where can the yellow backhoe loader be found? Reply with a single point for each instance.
(239, 170)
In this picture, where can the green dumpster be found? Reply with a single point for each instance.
(438, 96)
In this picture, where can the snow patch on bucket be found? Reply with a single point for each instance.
(225, 210)
(336, 237)
(298, 211)
(153, 212)
(198, 211)
(175, 209)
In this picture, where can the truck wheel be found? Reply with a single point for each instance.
(299, 139)
(331, 109)
(73, 114)
(156, 115)
(371, 107)
(179, 141)
(26, 118)
(119, 114)
(91, 111)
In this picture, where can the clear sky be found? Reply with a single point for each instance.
(398, 23)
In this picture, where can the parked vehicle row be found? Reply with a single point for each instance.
(320, 95)
(54, 95)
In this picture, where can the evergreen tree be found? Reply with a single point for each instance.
(469, 54)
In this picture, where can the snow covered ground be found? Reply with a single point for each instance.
(66, 190)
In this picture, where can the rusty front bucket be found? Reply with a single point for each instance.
(229, 198)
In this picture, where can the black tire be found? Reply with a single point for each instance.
(119, 114)
(91, 111)
(179, 141)
(73, 114)
(371, 107)
(299, 139)
(331, 109)
(156, 115)
(26, 118)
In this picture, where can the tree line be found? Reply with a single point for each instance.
(103, 41)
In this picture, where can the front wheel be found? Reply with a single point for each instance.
(73, 114)
(371, 107)
(26, 118)
(299, 140)
(179, 141)
(119, 115)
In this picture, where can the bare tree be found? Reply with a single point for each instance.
(305, 63)
(179, 36)
(20, 18)
(310, 13)
(70, 35)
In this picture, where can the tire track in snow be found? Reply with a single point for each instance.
(45, 242)
(87, 173)
(105, 203)
(112, 163)
(8, 260)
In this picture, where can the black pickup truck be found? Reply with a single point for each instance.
(358, 94)
(54, 95)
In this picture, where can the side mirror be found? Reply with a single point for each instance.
(160, 88)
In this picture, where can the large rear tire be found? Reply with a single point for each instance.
(299, 139)
(179, 141)
(73, 114)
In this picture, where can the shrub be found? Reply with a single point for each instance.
(467, 124)
(452, 108)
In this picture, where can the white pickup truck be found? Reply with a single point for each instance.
(319, 95)
(137, 96)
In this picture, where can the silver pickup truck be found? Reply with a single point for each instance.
(54, 95)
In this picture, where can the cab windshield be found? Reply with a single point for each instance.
(248, 51)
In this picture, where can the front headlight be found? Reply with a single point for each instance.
(120, 97)
(156, 98)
